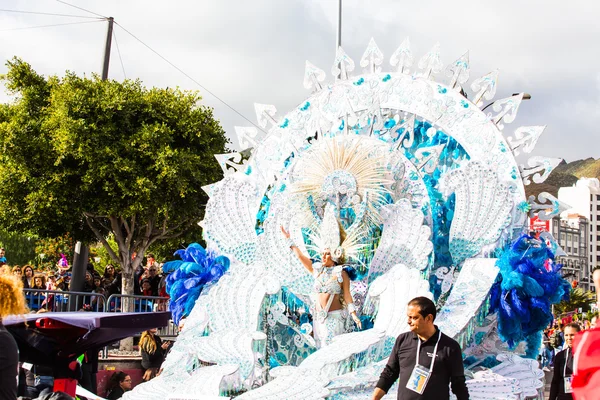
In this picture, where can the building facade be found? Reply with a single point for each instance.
(571, 234)
(584, 198)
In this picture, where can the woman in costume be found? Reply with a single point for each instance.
(332, 286)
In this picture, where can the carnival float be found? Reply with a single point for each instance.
(414, 174)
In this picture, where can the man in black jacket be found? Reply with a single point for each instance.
(426, 360)
(560, 388)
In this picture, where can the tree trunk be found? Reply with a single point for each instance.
(128, 267)
(131, 239)
(127, 303)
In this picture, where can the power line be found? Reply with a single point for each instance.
(49, 26)
(189, 77)
(119, 53)
(45, 13)
(80, 8)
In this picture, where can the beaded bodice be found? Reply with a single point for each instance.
(327, 279)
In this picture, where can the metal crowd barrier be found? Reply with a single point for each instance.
(58, 300)
(61, 301)
(137, 303)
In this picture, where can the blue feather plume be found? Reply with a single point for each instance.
(188, 276)
(528, 285)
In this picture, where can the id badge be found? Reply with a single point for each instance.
(419, 378)
(568, 388)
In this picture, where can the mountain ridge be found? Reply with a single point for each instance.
(565, 174)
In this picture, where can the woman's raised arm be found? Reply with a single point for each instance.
(303, 258)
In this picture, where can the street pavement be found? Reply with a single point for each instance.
(548, 380)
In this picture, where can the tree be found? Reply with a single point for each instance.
(20, 249)
(578, 298)
(97, 158)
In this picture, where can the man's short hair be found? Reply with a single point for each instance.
(574, 325)
(426, 306)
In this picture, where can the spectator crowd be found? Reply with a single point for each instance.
(148, 281)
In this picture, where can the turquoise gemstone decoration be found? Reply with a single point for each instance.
(387, 78)
(285, 123)
(305, 106)
(524, 207)
(359, 82)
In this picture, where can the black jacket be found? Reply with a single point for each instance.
(557, 387)
(9, 359)
(448, 367)
(156, 359)
(116, 393)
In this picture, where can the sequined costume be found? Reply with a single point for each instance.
(328, 324)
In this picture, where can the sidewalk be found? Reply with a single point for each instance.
(549, 375)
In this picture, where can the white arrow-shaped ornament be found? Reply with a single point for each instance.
(245, 136)
(342, 64)
(485, 87)
(525, 139)
(429, 162)
(313, 76)
(372, 57)
(535, 165)
(459, 71)
(407, 137)
(507, 109)
(431, 63)
(230, 162)
(546, 211)
(265, 113)
(402, 58)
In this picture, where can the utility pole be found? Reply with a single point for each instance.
(111, 20)
(338, 39)
(81, 253)
(338, 36)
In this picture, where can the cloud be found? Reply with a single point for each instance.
(255, 51)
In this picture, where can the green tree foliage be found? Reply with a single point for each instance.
(20, 249)
(578, 298)
(96, 158)
(99, 252)
(49, 251)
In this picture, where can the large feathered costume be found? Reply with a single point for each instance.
(190, 275)
(529, 283)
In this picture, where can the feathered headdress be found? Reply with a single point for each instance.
(330, 234)
(345, 172)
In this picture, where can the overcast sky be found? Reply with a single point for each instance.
(255, 50)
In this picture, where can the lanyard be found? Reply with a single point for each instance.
(566, 359)
(434, 351)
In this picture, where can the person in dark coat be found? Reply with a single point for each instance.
(118, 384)
(153, 353)
(560, 388)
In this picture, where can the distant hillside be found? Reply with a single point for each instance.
(566, 174)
